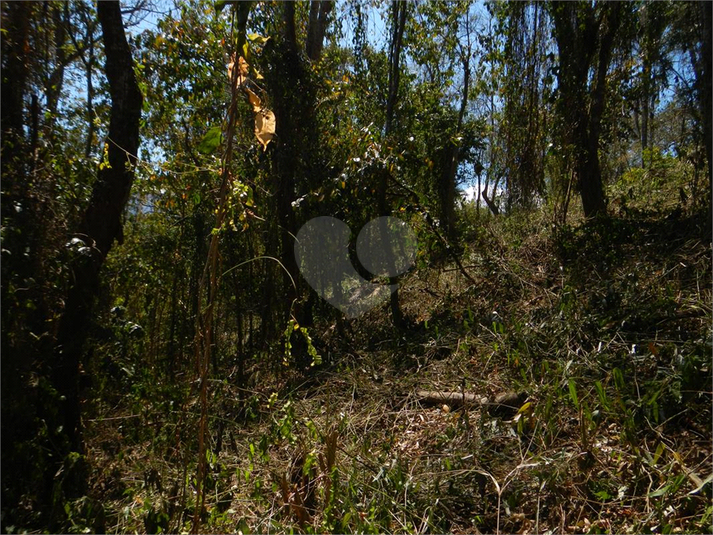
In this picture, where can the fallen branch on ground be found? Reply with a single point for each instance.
(502, 403)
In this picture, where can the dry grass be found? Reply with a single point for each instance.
(612, 348)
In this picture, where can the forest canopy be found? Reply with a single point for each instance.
(374, 266)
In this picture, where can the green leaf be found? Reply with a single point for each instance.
(257, 38)
(601, 393)
(657, 454)
(603, 495)
(211, 140)
(618, 378)
(660, 492)
(573, 393)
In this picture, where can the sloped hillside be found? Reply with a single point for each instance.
(574, 377)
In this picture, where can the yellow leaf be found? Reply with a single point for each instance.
(231, 69)
(242, 70)
(264, 127)
(526, 408)
(243, 66)
(257, 39)
(254, 100)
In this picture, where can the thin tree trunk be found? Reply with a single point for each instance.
(399, 23)
(290, 31)
(171, 352)
(16, 24)
(491, 201)
(704, 86)
(90, 102)
(318, 12)
(54, 83)
(448, 185)
(286, 158)
(477, 199)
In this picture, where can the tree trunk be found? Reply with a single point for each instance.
(645, 111)
(101, 223)
(16, 66)
(448, 181)
(318, 13)
(287, 75)
(490, 202)
(704, 86)
(89, 66)
(593, 198)
(54, 83)
(580, 39)
(293, 157)
(290, 31)
(399, 23)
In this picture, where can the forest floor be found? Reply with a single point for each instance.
(604, 331)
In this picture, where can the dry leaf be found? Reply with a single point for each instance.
(242, 70)
(254, 100)
(264, 127)
(243, 65)
(231, 66)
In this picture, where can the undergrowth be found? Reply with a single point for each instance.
(604, 327)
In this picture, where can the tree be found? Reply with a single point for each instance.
(525, 111)
(297, 151)
(701, 54)
(102, 221)
(399, 11)
(652, 21)
(585, 35)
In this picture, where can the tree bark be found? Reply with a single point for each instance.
(290, 31)
(704, 89)
(54, 83)
(490, 202)
(448, 180)
(286, 76)
(101, 223)
(589, 170)
(318, 12)
(293, 157)
(399, 23)
(580, 39)
(15, 69)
